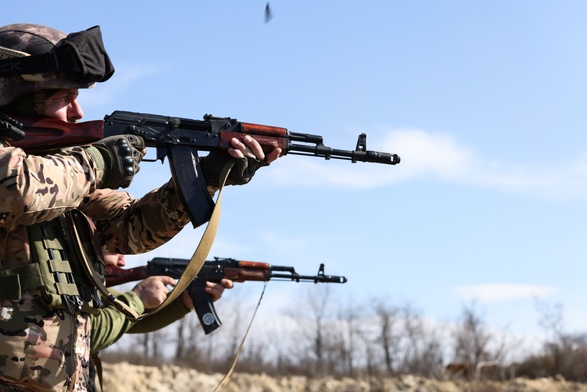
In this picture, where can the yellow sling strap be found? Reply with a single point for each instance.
(203, 249)
(192, 269)
(71, 218)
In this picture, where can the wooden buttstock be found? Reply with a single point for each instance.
(116, 275)
(44, 134)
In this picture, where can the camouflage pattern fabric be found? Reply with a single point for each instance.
(43, 350)
(35, 189)
(31, 39)
(46, 349)
(132, 226)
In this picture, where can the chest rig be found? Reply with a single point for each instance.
(56, 269)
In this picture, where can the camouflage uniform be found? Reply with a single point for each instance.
(45, 346)
(44, 349)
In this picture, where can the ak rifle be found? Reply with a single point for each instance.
(214, 271)
(179, 139)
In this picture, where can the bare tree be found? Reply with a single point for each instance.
(431, 357)
(313, 351)
(151, 345)
(414, 334)
(350, 316)
(565, 353)
(551, 318)
(387, 316)
(474, 342)
(190, 340)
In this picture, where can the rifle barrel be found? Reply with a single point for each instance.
(309, 278)
(349, 155)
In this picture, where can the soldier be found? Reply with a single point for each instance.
(46, 300)
(109, 326)
(147, 294)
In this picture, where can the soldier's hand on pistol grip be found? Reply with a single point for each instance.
(119, 157)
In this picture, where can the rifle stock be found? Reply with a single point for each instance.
(214, 271)
(116, 275)
(46, 134)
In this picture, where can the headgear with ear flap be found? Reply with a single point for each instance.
(35, 57)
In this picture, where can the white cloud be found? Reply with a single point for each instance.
(499, 292)
(445, 158)
(425, 153)
(437, 156)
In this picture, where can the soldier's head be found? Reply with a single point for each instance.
(41, 69)
(113, 259)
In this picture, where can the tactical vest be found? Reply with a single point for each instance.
(56, 268)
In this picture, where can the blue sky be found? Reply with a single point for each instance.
(485, 103)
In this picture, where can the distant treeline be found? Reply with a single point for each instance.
(379, 339)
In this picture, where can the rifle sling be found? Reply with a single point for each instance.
(93, 275)
(202, 251)
(192, 269)
(241, 345)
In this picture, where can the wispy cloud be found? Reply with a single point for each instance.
(442, 157)
(445, 158)
(499, 292)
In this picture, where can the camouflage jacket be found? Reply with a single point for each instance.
(48, 350)
(35, 189)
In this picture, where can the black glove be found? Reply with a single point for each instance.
(120, 156)
(241, 173)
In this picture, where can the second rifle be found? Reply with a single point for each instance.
(214, 271)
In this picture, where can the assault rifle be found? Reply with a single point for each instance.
(180, 139)
(214, 271)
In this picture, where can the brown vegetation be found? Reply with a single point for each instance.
(327, 349)
(123, 377)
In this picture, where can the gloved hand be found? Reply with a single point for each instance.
(242, 172)
(119, 157)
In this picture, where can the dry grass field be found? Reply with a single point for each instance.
(123, 377)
